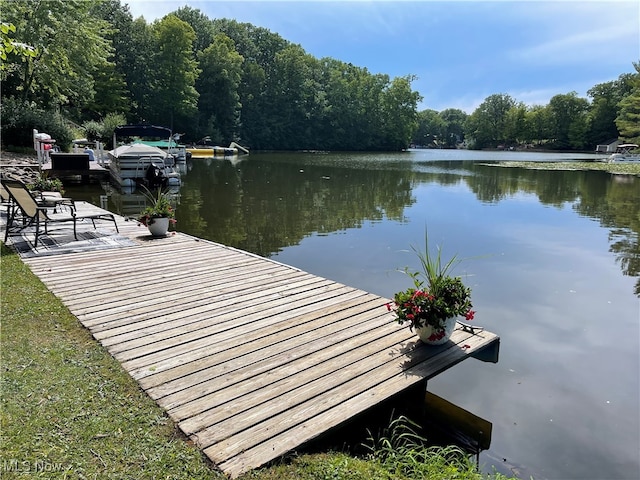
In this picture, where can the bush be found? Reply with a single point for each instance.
(103, 130)
(20, 118)
(109, 124)
(92, 130)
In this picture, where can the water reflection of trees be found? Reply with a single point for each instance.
(614, 200)
(264, 206)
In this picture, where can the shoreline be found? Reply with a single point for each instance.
(25, 166)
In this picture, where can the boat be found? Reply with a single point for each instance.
(623, 154)
(211, 151)
(139, 163)
(171, 146)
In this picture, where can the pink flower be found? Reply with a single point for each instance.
(436, 336)
(470, 314)
(388, 305)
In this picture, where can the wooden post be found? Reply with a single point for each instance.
(411, 401)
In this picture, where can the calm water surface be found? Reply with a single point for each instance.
(553, 259)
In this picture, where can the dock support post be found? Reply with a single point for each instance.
(412, 401)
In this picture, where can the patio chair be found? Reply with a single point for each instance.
(5, 199)
(33, 214)
(4, 195)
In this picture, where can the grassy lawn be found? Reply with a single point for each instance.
(68, 410)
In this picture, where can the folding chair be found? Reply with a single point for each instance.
(34, 214)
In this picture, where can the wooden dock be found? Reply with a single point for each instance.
(95, 170)
(251, 358)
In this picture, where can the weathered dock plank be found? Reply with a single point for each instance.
(251, 358)
(237, 455)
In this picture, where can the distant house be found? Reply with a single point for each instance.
(608, 147)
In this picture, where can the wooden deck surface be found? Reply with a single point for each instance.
(250, 357)
(95, 169)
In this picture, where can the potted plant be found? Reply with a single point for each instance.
(431, 306)
(158, 214)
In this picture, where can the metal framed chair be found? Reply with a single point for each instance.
(5, 199)
(4, 195)
(27, 212)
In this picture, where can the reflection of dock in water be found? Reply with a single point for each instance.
(456, 425)
(445, 423)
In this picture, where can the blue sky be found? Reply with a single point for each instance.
(461, 52)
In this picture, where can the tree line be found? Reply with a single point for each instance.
(72, 66)
(567, 122)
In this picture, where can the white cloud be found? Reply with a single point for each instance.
(155, 9)
(591, 46)
(567, 33)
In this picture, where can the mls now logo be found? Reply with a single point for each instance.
(15, 465)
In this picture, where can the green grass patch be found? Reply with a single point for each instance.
(399, 453)
(69, 410)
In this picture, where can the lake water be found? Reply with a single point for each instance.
(553, 259)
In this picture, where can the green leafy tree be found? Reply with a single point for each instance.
(487, 124)
(399, 118)
(367, 90)
(628, 120)
(515, 124)
(69, 45)
(134, 51)
(202, 25)
(254, 127)
(288, 97)
(136, 58)
(455, 120)
(112, 92)
(111, 95)
(173, 92)
(12, 51)
(432, 129)
(568, 120)
(537, 125)
(258, 46)
(339, 112)
(604, 108)
(219, 103)
(315, 99)
(579, 131)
